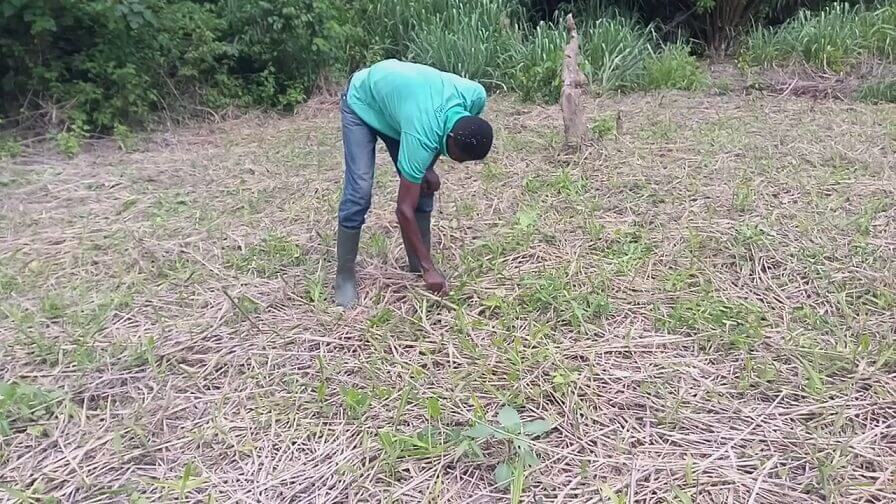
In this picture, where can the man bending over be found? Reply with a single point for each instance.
(420, 113)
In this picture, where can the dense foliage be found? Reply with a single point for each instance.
(834, 38)
(97, 63)
(75, 67)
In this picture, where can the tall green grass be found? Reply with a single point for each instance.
(390, 24)
(491, 41)
(472, 39)
(533, 69)
(675, 68)
(834, 38)
(878, 92)
(614, 52)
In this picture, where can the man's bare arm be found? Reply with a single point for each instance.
(408, 197)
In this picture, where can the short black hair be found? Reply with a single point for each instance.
(473, 136)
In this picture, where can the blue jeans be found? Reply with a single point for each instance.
(359, 144)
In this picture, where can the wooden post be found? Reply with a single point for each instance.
(574, 83)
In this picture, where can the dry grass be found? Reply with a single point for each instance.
(704, 305)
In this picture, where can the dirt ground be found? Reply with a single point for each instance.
(702, 305)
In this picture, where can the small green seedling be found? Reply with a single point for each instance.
(190, 480)
(519, 437)
(356, 402)
(605, 126)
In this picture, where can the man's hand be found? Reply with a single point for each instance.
(435, 281)
(431, 182)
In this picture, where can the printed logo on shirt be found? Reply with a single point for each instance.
(440, 110)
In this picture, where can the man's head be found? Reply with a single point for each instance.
(470, 139)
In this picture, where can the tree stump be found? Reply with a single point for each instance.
(574, 82)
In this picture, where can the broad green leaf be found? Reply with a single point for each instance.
(479, 431)
(425, 438)
(36, 430)
(509, 419)
(537, 427)
(501, 434)
(503, 474)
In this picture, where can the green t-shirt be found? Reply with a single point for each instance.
(415, 104)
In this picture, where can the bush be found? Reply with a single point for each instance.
(763, 47)
(535, 64)
(614, 51)
(98, 65)
(675, 68)
(833, 39)
(389, 25)
(471, 39)
(281, 47)
(713, 23)
(101, 63)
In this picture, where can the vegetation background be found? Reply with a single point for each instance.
(72, 68)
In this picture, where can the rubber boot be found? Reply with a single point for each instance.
(423, 222)
(346, 285)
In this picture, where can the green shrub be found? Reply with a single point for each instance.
(827, 39)
(107, 63)
(281, 47)
(104, 62)
(491, 42)
(674, 68)
(535, 64)
(834, 38)
(764, 47)
(388, 25)
(104, 65)
(879, 32)
(472, 39)
(69, 141)
(614, 51)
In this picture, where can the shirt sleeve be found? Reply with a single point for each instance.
(414, 158)
(476, 99)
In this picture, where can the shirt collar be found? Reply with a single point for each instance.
(452, 115)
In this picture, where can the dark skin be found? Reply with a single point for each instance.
(408, 197)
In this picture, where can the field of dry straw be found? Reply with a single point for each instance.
(701, 307)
